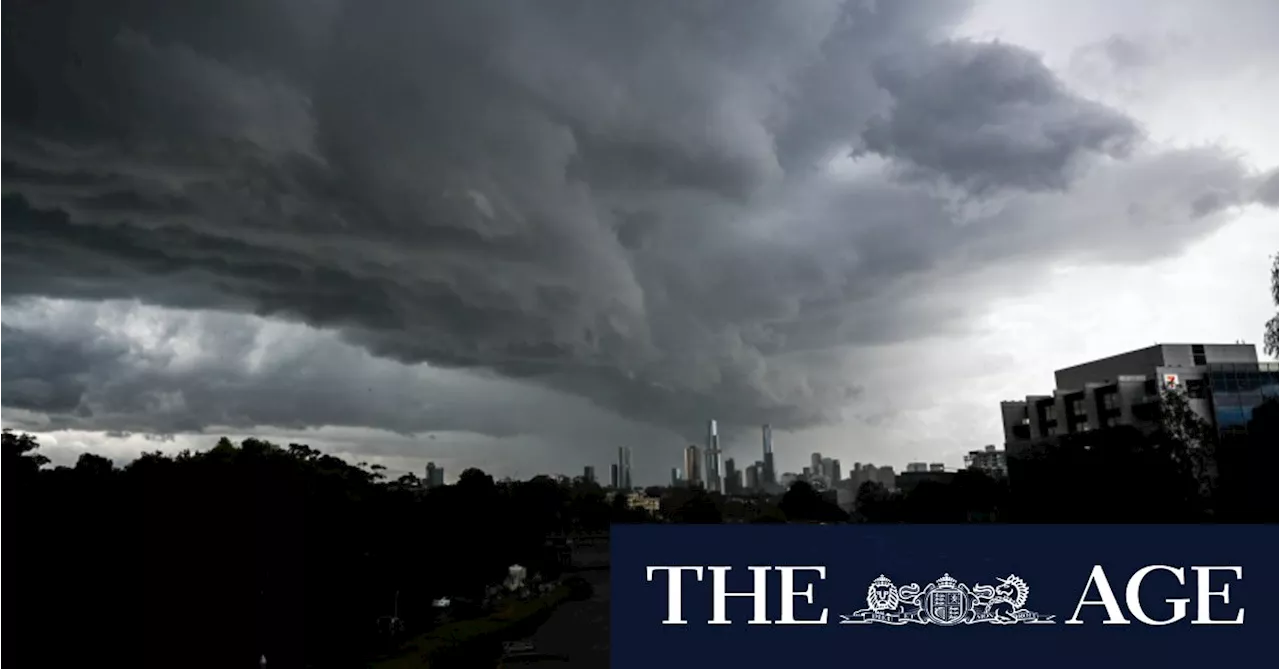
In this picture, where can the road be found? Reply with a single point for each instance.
(579, 630)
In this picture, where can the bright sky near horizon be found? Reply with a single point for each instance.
(517, 236)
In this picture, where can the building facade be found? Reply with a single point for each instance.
(768, 474)
(989, 460)
(692, 466)
(624, 468)
(1223, 383)
(713, 474)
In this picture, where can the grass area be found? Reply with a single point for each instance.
(468, 642)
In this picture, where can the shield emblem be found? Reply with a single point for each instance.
(946, 606)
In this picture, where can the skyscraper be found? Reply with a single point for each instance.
(815, 464)
(753, 477)
(835, 473)
(712, 472)
(676, 478)
(731, 477)
(768, 475)
(613, 476)
(692, 466)
(588, 474)
(435, 475)
(624, 468)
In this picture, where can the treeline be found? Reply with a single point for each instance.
(1181, 473)
(219, 557)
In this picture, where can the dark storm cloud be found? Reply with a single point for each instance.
(625, 201)
(988, 116)
(124, 368)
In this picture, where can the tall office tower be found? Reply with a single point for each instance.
(435, 475)
(676, 479)
(815, 464)
(713, 473)
(588, 474)
(613, 476)
(692, 466)
(731, 477)
(753, 477)
(624, 467)
(835, 472)
(768, 474)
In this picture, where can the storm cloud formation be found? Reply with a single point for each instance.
(674, 209)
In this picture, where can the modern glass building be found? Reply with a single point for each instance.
(1223, 383)
(1236, 389)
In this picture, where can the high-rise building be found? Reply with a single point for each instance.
(713, 475)
(815, 464)
(613, 476)
(732, 479)
(835, 474)
(914, 467)
(435, 475)
(692, 466)
(624, 468)
(752, 482)
(768, 475)
(588, 474)
(677, 479)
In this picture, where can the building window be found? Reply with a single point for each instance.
(1195, 389)
(1110, 401)
(1197, 355)
(1077, 407)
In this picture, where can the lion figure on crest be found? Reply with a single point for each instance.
(882, 595)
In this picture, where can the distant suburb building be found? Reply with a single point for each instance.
(989, 460)
(1223, 385)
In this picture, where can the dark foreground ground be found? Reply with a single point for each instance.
(579, 630)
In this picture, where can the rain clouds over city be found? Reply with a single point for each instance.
(519, 235)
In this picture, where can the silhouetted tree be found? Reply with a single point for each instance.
(1271, 335)
(802, 503)
(693, 506)
(215, 558)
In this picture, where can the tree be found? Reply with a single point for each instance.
(1271, 338)
(94, 465)
(20, 454)
(802, 502)
(693, 506)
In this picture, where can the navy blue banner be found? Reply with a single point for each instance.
(944, 595)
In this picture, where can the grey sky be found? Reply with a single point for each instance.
(520, 235)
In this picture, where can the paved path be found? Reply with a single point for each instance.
(578, 630)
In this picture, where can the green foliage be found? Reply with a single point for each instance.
(461, 644)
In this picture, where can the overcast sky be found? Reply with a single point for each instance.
(518, 235)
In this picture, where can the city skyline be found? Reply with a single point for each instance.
(860, 226)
